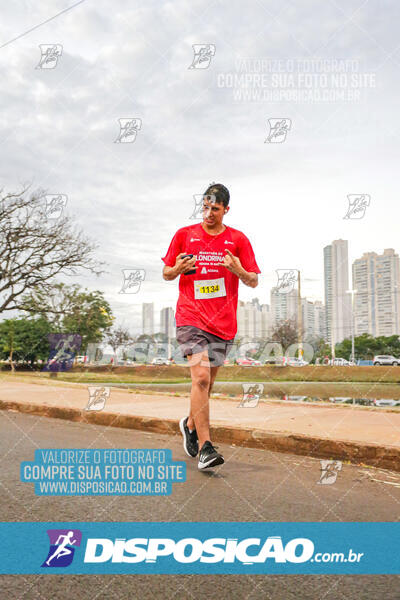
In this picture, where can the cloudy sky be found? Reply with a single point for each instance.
(118, 60)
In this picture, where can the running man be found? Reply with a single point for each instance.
(62, 549)
(205, 317)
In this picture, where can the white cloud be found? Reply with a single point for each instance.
(57, 128)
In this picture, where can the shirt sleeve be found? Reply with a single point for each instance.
(246, 256)
(174, 249)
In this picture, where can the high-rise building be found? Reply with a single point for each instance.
(253, 319)
(319, 320)
(308, 318)
(283, 305)
(265, 322)
(245, 319)
(337, 298)
(167, 322)
(313, 317)
(148, 318)
(376, 279)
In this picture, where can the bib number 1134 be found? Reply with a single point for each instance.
(209, 288)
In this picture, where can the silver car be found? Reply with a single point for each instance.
(386, 359)
(160, 360)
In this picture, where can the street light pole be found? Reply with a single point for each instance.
(352, 292)
(299, 314)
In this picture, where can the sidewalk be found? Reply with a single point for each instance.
(356, 434)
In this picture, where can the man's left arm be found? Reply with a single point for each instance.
(233, 264)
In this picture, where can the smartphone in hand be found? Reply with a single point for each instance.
(192, 271)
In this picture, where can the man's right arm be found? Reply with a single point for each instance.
(181, 266)
(169, 273)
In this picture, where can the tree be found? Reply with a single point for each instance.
(366, 346)
(34, 340)
(321, 349)
(119, 337)
(70, 309)
(145, 337)
(24, 339)
(286, 333)
(35, 249)
(9, 340)
(160, 337)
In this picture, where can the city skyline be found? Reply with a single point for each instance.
(319, 319)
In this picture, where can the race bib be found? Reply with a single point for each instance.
(209, 288)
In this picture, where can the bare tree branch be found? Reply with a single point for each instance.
(35, 249)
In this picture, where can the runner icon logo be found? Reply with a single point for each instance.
(55, 203)
(132, 280)
(50, 53)
(330, 469)
(62, 547)
(278, 129)
(286, 280)
(98, 397)
(251, 394)
(203, 54)
(357, 205)
(128, 129)
(63, 348)
(198, 205)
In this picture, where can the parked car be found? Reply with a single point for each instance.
(82, 359)
(160, 360)
(341, 399)
(125, 362)
(247, 362)
(294, 398)
(340, 362)
(385, 402)
(386, 359)
(274, 360)
(290, 361)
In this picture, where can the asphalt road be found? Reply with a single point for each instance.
(252, 485)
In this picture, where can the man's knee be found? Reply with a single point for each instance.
(201, 377)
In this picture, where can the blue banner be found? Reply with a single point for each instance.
(200, 548)
(103, 472)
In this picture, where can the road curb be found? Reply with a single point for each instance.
(385, 457)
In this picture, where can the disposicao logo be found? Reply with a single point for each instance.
(62, 542)
(190, 550)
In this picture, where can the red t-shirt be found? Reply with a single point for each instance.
(208, 299)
